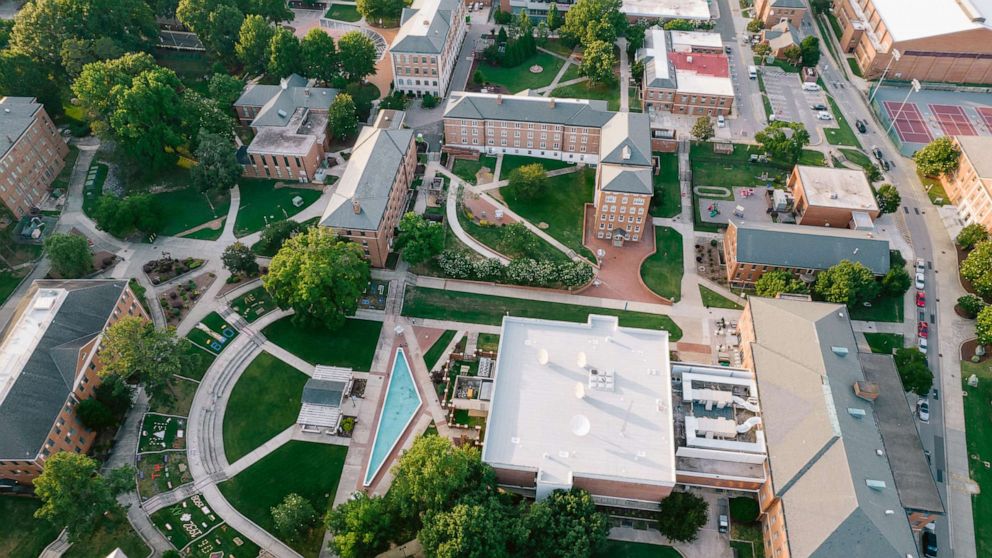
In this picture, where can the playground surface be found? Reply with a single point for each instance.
(748, 204)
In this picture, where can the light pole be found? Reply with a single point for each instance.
(896, 55)
(915, 88)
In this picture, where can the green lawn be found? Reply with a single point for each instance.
(732, 170)
(264, 402)
(9, 280)
(662, 271)
(557, 47)
(437, 349)
(488, 342)
(609, 92)
(883, 309)
(492, 236)
(856, 156)
(308, 469)
(352, 346)
(254, 304)
(884, 343)
(109, 534)
(191, 67)
(467, 168)
(200, 361)
(181, 530)
(855, 69)
(513, 162)
(177, 400)
(561, 207)
(473, 308)
(813, 158)
(978, 416)
(713, 299)
(263, 203)
(92, 190)
(934, 189)
(667, 200)
(842, 134)
(343, 12)
(168, 426)
(572, 72)
(21, 535)
(189, 207)
(518, 78)
(623, 549)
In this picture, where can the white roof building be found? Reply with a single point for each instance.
(697, 10)
(906, 20)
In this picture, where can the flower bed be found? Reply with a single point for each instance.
(162, 432)
(520, 271)
(166, 269)
(178, 300)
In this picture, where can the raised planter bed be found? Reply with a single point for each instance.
(166, 269)
(178, 300)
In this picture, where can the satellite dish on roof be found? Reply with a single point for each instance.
(543, 357)
(580, 425)
(581, 360)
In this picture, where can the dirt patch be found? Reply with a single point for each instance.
(968, 351)
(214, 225)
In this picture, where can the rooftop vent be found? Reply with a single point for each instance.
(839, 351)
(543, 357)
(581, 360)
(281, 113)
(625, 152)
(875, 484)
(356, 206)
(580, 426)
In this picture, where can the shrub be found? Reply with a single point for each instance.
(971, 305)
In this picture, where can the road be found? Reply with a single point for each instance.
(747, 104)
(931, 242)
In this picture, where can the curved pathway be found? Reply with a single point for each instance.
(451, 211)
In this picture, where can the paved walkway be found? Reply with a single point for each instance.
(451, 211)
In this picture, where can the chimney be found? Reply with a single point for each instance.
(688, 59)
(499, 99)
(283, 83)
(356, 207)
(551, 103)
(306, 92)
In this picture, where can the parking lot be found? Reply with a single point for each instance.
(790, 102)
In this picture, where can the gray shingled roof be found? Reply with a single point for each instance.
(326, 393)
(278, 103)
(804, 247)
(630, 180)
(626, 140)
(652, 76)
(256, 95)
(39, 392)
(527, 109)
(414, 36)
(16, 115)
(788, 3)
(375, 161)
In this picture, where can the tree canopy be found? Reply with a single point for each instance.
(252, 47)
(938, 157)
(566, 523)
(971, 305)
(703, 130)
(318, 276)
(293, 516)
(320, 56)
(587, 21)
(847, 283)
(784, 141)
(239, 259)
(375, 10)
(912, 366)
(528, 181)
(971, 235)
(134, 348)
(342, 117)
(122, 216)
(473, 529)
(419, 239)
(777, 281)
(598, 61)
(75, 495)
(69, 254)
(888, 198)
(810, 47)
(681, 516)
(977, 268)
(357, 56)
(285, 54)
(361, 526)
(217, 166)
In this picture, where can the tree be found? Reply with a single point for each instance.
(971, 235)
(428, 101)
(977, 268)
(938, 157)
(810, 47)
(284, 53)
(148, 120)
(217, 166)
(635, 37)
(115, 394)
(252, 48)
(473, 530)
(239, 259)
(274, 11)
(320, 58)
(896, 282)
(375, 10)
(69, 254)
(971, 305)
(591, 20)
(888, 198)
(201, 113)
(777, 281)
(913, 370)
(702, 130)
(983, 325)
(275, 234)
(553, 18)
(20, 76)
(101, 84)
(793, 54)
(395, 101)
(681, 516)
(318, 276)
(293, 517)
(597, 62)
(755, 26)
(122, 216)
(75, 495)
(358, 56)
(361, 526)
(94, 414)
(784, 141)
(419, 239)
(566, 523)
(678, 25)
(225, 89)
(762, 50)
(528, 181)
(223, 27)
(77, 53)
(133, 348)
(342, 117)
(847, 283)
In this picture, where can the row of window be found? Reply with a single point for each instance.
(413, 59)
(411, 81)
(612, 198)
(690, 99)
(526, 126)
(416, 71)
(619, 219)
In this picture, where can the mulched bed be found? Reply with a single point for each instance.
(165, 269)
(968, 350)
(358, 387)
(184, 296)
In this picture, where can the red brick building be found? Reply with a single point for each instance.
(31, 153)
(685, 77)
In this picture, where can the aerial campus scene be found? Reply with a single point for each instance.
(515, 278)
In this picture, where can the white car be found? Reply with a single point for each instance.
(824, 115)
(922, 344)
(921, 266)
(721, 121)
(923, 409)
(920, 281)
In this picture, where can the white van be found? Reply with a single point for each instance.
(752, 72)
(810, 86)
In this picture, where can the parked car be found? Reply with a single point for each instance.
(923, 410)
(818, 106)
(921, 344)
(808, 86)
(721, 121)
(885, 165)
(727, 49)
(824, 115)
(921, 300)
(922, 329)
(921, 266)
(920, 281)
(928, 541)
(723, 521)
(877, 153)
(860, 125)
(936, 393)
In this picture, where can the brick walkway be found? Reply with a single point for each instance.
(619, 274)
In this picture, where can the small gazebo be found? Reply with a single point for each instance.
(322, 397)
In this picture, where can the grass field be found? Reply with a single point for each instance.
(813, 158)
(189, 207)
(513, 162)
(472, 308)
(110, 533)
(437, 349)
(9, 280)
(254, 304)
(883, 309)
(713, 299)
(263, 203)
(178, 399)
(609, 92)
(557, 47)
(492, 237)
(518, 78)
(732, 170)
(978, 416)
(467, 168)
(662, 271)
(884, 343)
(316, 470)
(343, 12)
(264, 402)
(21, 535)
(352, 346)
(561, 207)
(667, 200)
(488, 342)
(842, 134)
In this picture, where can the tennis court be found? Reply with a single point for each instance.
(986, 114)
(909, 122)
(952, 120)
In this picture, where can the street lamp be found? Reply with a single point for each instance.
(915, 88)
(896, 55)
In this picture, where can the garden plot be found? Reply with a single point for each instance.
(223, 541)
(254, 304)
(212, 333)
(161, 472)
(162, 433)
(186, 521)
